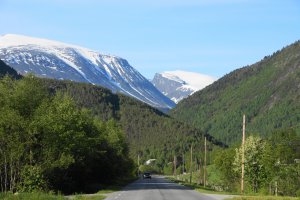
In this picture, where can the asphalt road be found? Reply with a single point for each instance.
(158, 188)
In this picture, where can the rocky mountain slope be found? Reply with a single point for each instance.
(52, 59)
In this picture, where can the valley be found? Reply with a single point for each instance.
(71, 135)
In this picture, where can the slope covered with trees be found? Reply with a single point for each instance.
(268, 92)
(87, 123)
(149, 132)
(7, 70)
(47, 142)
(272, 165)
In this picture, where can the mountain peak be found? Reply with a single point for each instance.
(52, 59)
(179, 84)
(20, 40)
(15, 40)
(197, 81)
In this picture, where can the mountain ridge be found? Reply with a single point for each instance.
(52, 59)
(268, 92)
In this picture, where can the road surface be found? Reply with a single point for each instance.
(158, 188)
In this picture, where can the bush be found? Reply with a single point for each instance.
(168, 169)
(298, 193)
(32, 179)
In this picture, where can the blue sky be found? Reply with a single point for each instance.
(210, 37)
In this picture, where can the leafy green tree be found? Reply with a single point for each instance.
(47, 141)
(32, 179)
(282, 152)
(224, 161)
(255, 170)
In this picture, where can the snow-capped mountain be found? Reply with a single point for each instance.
(177, 85)
(46, 58)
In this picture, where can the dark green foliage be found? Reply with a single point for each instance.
(68, 134)
(268, 92)
(32, 179)
(224, 162)
(149, 132)
(47, 142)
(7, 70)
(269, 164)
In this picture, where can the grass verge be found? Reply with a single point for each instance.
(117, 186)
(31, 196)
(263, 198)
(238, 197)
(198, 188)
(89, 197)
(106, 189)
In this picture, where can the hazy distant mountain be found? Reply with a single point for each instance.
(177, 85)
(57, 60)
(268, 92)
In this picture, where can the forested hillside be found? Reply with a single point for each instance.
(150, 133)
(268, 92)
(49, 143)
(5, 69)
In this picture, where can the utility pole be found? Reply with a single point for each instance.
(276, 188)
(204, 173)
(138, 164)
(183, 161)
(200, 178)
(175, 163)
(243, 154)
(191, 173)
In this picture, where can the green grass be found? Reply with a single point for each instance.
(198, 188)
(92, 197)
(101, 194)
(107, 191)
(116, 186)
(208, 190)
(30, 196)
(263, 198)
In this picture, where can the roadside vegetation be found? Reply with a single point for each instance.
(48, 143)
(31, 196)
(263, 198)
(93, 197)
(272, 167)
(184, 180)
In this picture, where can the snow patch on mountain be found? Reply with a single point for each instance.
(58, 60)
(192, 80)
(179, 84)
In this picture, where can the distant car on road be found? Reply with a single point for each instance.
(146, 175)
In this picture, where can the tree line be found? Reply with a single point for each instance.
(150, 133)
